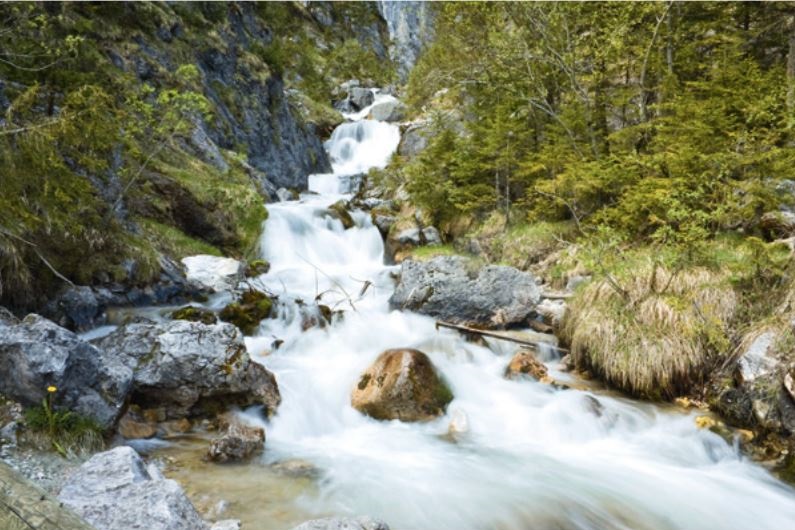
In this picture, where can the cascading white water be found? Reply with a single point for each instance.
(532, 457)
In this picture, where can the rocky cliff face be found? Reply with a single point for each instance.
(251, 111)
(410, 28)
(112, 186)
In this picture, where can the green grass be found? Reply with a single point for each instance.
(173, 241)
(233, 191)
(63, 431)
(432, 251)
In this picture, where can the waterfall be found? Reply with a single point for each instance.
(531, 456)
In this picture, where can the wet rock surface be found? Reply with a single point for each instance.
(401, 384)
(461, 291)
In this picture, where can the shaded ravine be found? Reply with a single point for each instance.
(529, 455)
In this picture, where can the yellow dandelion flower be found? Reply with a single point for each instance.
(51, 389)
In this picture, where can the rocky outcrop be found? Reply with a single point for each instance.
(343, 523)
(402, 384)
(36, 354)
(238, 441)
(410, 27)
(116, 490)
(755, 395)
(213, 272)
(25, 506)
(252, 110)
(79, 308)
(356, 98)
(190, 369)
(778, 224)
(414, 237)
(414, 139)
(389, 111)
(461, 291)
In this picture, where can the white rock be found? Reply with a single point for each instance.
(758, 359)
(115, 490)
(212, 272)
(551, 310)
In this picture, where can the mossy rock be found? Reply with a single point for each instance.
(339, 211)
(248, 311)
(401, 384)
(194, 314)
(257, 267)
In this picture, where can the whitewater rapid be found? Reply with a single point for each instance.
(531, 456)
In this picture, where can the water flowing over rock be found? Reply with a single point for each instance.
(343, 523)
(401, 384)
(188, 368)
(213, 272)
(36, 354)
(456, 289)
(116, 490)
(356, 147)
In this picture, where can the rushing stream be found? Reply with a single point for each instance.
(525, 455)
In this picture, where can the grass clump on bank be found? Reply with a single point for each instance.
(64, 431)
(651, 332)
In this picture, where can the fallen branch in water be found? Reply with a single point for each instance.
(494, 335)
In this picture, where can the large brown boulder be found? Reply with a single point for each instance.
(402, 384)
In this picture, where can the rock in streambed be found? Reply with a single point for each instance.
(402, 384)
(461, 291)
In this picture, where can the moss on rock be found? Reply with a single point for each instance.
(195, 314)
(248, 311)
(257, 267)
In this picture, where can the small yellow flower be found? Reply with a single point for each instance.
(51, 389)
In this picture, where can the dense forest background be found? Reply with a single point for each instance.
(668, 122)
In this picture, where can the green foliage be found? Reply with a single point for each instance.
(665, 122)
(64, 431)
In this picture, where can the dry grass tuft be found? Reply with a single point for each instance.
(659, 337)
